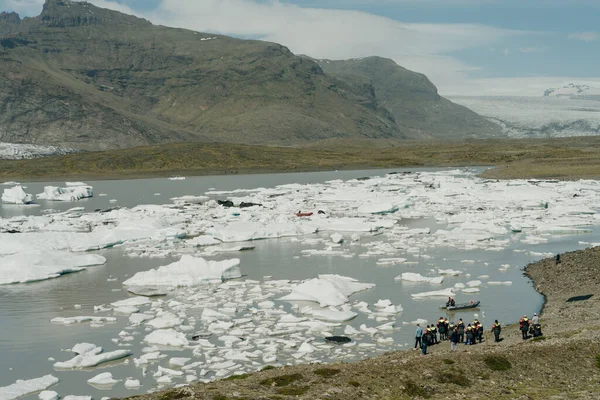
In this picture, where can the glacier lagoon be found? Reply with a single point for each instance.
(443, 219)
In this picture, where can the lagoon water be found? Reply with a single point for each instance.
(28, 338)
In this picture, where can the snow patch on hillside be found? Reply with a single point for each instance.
(18, 151)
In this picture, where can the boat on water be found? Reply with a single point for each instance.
(461, 306)
(177, 178)
(303, 214)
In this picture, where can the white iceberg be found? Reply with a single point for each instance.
(188, 271)
(436, 293)
(24, 387)
(333, 315)
(190, 200)
(36, 266)
(132, 384)
(378, 208)
(450, 272)
(412, 277)
(104, 379)
(48, 395)
(327, 290)
(16, 195)
(81, 319)
(203, 240)
(70, 193)
(167, 337)
(90, 359)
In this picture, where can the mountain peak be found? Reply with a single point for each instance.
(67, 13)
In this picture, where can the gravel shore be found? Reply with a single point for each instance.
(563, 364)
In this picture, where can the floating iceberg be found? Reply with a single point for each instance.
(167, 337)
(90, 359)
(450, 272)
(327, 290)
(188, 271)
(16, 195)
(245, 231)
(436, 293)
(104, 379)
(333, 315)
(204, 240)
(190, 200)
(35, 266)
(70, 193)
(378, 208)
(48, 395)
(22, 388)
(78, 320)
(412, 277)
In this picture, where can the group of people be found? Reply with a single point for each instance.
(469, 334)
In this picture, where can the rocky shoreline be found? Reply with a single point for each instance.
(563, 364)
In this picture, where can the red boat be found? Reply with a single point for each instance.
(303, 214)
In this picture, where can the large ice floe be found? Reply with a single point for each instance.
(24, 387)
(220, 322)
(188, 271)
(327, 290)
(36, 266)
(69, 193)
(16, 195)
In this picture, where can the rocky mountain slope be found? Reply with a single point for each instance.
(83, 77)
(410, 97)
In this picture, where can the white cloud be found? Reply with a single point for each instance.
(337, 34)
(342, 34)
(585, 36)
(506, 52)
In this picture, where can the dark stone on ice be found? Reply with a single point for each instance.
(338, 339)
(243, 204)
(225, 203)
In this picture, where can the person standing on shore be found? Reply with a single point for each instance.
(496, 329)
(424, 348)
(418, 336)
(535, 319)
(524, 326)
(461, 330)
(454, 340)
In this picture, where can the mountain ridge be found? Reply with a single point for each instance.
(85, 77)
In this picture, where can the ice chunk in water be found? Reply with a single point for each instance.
(436, 293)
(188, 271)
(88, 360)
(24, 387)
(70, 193)
(16, 195)
(167, 337)
(327, 290)
(412, 277)
(132, 384)
(36, 266)
(48, 395)
(104, 379)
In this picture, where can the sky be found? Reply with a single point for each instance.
(466, 47)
